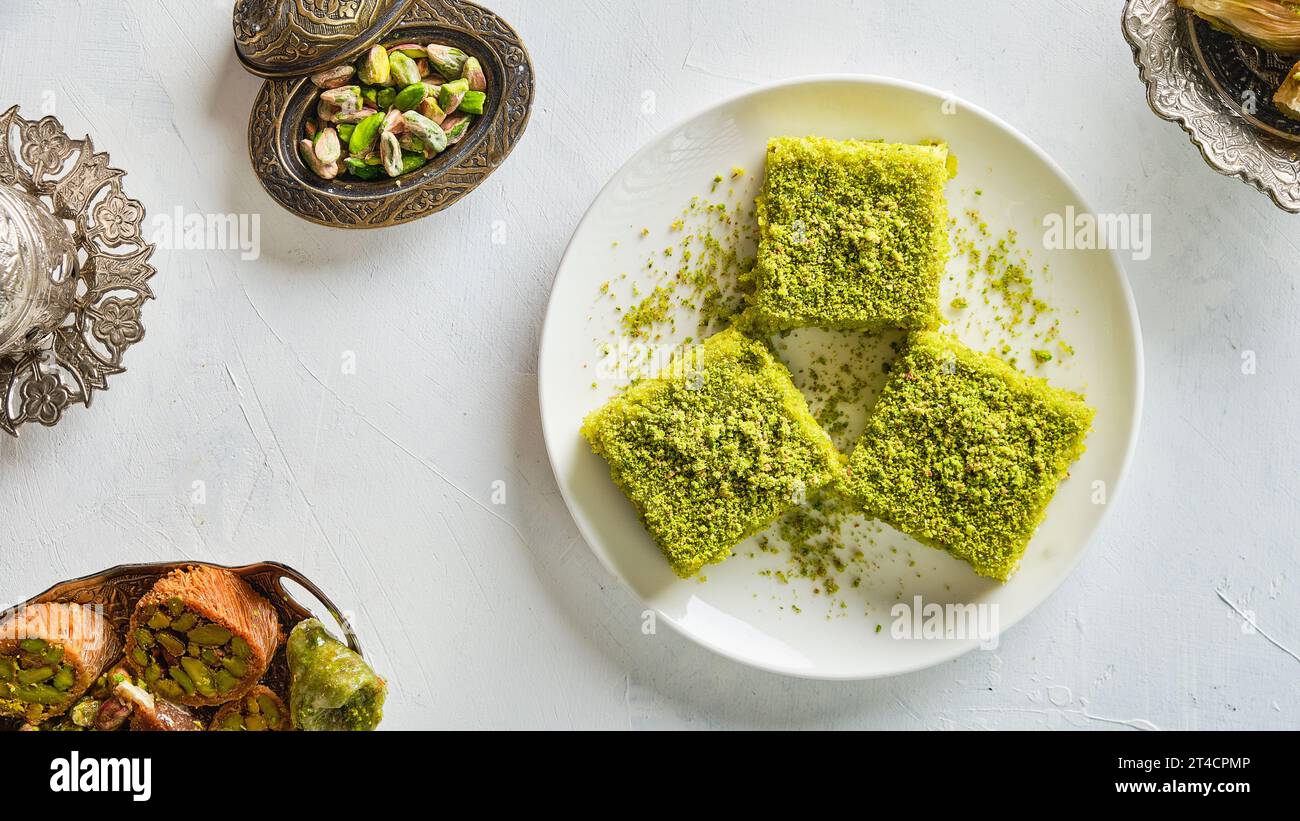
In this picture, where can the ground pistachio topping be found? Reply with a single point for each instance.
(707, 273)
(853, 234)
(964, 452)
(714, 449)
(1002, 274)
(706, 270)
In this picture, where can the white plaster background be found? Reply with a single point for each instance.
(378, 484)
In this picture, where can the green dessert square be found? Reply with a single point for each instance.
(963, 452)
(713, 449)
(853, 235)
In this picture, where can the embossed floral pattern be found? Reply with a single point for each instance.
(118, 323)
(45, 146)
(333, 9)
(44, 398)
(118, 218)
(252, 17)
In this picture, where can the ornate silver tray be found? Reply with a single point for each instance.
(74, 271)
(1191, 80)
(1188, 82)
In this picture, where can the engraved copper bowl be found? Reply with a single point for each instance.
(117, 589)
(74, 271)
(306, 40)
(1220, 92)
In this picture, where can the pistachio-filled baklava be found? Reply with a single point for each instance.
(202, 637)
(49, 655)
(260, 709)
(330, 686)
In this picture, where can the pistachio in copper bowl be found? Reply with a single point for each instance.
(475, 88)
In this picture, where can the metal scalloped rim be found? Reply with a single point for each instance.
(1140, 55)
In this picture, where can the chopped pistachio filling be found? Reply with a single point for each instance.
(714, 449)
(258, 711)
(964, 452)
(180, 654)
(853, 235)
(34, 678)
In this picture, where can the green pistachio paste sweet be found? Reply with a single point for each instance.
(330, 686)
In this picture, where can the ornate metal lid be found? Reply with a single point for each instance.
(292, 38)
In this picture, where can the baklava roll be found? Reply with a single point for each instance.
(50, 654)
(202, 637)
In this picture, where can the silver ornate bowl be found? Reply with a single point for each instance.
(38, 269)
(74, 271)
(1215, 90)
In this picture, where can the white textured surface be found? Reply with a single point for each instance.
(379, 484)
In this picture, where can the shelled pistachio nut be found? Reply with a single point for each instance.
(446, 60)
(429, 132)
(324, 170)
(362, 170)
(430, 109)
(391, 154)
(451, 96)
(411, 97)
(393, 122)
(326, 112)
(366, 134)
(355, 117)
(391, 82)
(333, 77)
(473, 102)
(327, 146)
(412, 50)
(456, 127)
(375, 68)
(347, 99)
(404, 70)
(473, 73)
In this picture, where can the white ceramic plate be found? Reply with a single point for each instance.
(738, 611)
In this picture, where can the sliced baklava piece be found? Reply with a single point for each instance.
(853, 235)
(260, 709)
(50, 654)
(713, 449)
(963, 452)
(202, 636)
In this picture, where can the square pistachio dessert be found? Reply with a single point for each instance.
(852, 235)
(713, 449)
(963, 452)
